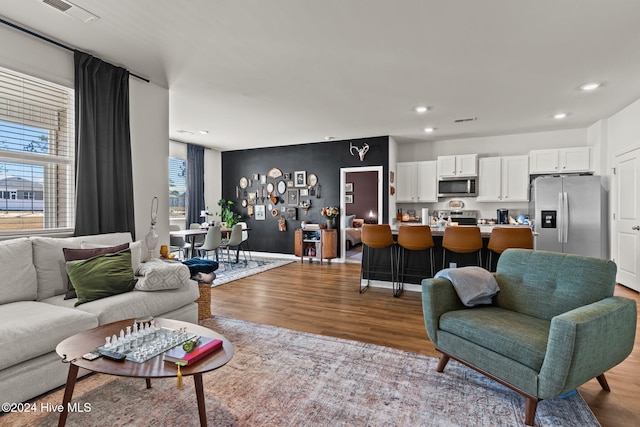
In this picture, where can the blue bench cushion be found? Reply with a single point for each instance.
(517, 336)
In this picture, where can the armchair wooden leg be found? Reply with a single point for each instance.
(530, 410)
(603, 382)
(444, 359)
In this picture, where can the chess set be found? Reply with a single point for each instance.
(142, 341)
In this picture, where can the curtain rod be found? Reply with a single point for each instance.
(41, 37)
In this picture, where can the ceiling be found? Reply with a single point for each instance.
(258, 73)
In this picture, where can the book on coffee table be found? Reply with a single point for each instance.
(203, 347)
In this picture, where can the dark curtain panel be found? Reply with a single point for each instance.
(195, 183)
(104, 183)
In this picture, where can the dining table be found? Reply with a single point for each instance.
(189, 235)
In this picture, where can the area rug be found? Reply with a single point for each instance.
(280, 377)
(228, 272)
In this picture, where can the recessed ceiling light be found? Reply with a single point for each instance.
(184, 131)
(429, 130)
(329, 138)
(590, 86)
(560, 116)
(421, 109)
(203, 132)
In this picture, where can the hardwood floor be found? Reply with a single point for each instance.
(325, 300)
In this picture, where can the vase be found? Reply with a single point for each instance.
(151, 242)
(329, 223)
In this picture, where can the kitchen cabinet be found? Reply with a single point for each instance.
(503, 179)
(461, 165)
(318, 244)
(417, 182)
(560, 160)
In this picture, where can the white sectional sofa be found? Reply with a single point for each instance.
(35, 317)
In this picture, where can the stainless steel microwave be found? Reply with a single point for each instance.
(457, 187)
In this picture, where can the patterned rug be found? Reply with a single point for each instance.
(228, 272)
(280, 377)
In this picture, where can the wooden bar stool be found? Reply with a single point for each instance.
(502, 238)
(412, 238)
(376, 236)
(461, 240)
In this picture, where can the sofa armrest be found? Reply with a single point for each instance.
(438, 297)
(586, 342)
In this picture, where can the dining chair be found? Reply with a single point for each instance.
(245, 238)
(234, 241)
(212, 242)
(197, 240)
(177, 243)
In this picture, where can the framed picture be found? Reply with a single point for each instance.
(304, 192)
(255, 177)
(300, 178)
(348, 198)
(292, 197)
(252, 197)
(260, 212)
(348, 187)
(292, 214)
(250, 210)
(289, 183)
(286, 175)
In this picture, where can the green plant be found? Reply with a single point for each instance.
(227, 215)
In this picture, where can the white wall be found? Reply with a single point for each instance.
(149, 117)
(393, 159)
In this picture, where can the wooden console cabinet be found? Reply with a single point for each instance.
(316, 244)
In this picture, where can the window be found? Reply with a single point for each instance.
(177, 187)
(36, 154)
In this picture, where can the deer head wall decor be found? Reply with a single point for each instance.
(361, 151)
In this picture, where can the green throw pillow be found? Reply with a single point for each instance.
(101, 276)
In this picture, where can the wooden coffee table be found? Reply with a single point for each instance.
(74, 347)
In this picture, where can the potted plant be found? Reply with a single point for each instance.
(228, 218)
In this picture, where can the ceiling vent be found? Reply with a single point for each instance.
(72, 10)
(469, 119)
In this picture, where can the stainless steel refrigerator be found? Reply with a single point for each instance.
(571, 215)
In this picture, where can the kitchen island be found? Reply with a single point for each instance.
(417, 262)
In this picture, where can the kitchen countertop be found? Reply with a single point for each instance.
(485, 229)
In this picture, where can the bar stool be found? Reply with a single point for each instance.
(502, 238)
(461, 240)
(376, 236)
(412, 238)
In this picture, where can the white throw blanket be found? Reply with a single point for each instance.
(474, 285)
(158, 275)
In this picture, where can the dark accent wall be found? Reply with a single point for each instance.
(324, 159)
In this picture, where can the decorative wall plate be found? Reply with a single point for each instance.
(275, 212)
(244, 182)
(270, 187)
(274, 173)
(282, 187)
(244, 203)
(312, 180)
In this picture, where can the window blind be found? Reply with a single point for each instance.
(177, 187)
(36, 154)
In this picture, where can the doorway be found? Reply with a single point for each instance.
(360, 193)
(626, 228)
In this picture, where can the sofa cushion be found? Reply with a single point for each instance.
(517, 336)
(157, 275)
(17, 271)
(30, 329)
(77, 254)
(135, 303)
(101, 276)
(48, 259)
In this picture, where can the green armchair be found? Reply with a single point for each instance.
(553, 325)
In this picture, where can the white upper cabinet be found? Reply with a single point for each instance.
(461, 165)
(504, 179)
(561, 160)
(416, 182)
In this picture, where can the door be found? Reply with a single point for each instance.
(627, 218)
(548, 214)
(584, 216)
